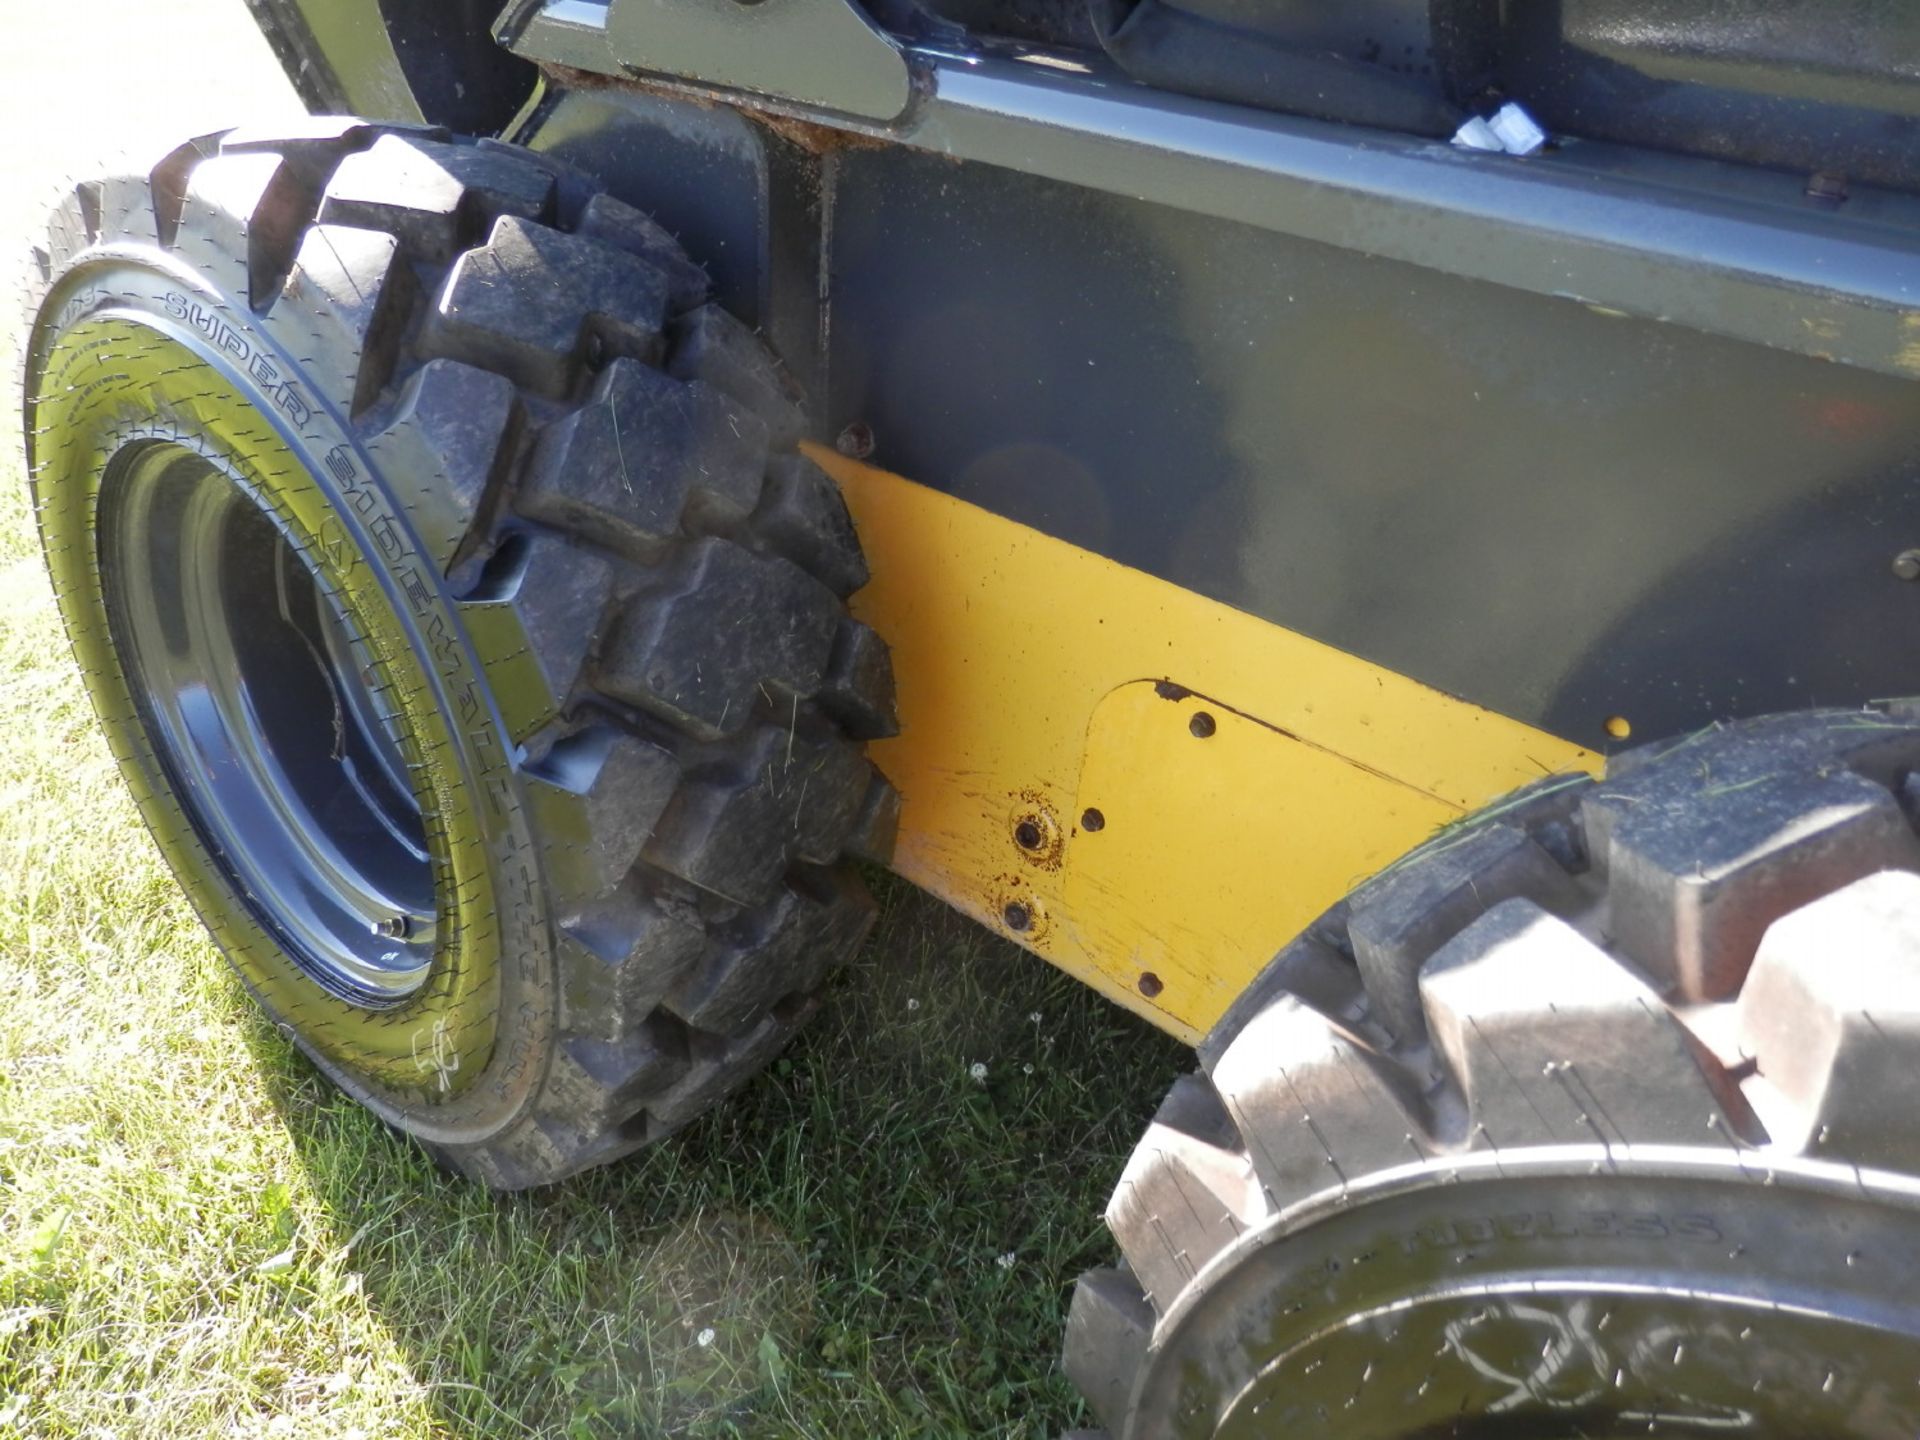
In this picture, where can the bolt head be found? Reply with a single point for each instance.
(1906, 565)
(856, 442)
(1827, 185)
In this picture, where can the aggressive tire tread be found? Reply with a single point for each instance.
(602, 465)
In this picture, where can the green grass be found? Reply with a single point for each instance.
(199, 1237)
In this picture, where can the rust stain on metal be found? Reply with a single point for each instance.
(814, 138)
(1036, 833)
(1020, 911)
(569, 77)
(810, 136)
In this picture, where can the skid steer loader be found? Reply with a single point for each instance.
(1379, 536)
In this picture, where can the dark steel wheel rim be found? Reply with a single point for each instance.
(264, 706)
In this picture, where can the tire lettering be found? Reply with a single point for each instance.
(338, 546)
(386, 534)
(414, 586)
(281, 391)
(79, 304)
(446, 650)
(1553, 1227)
(1516, 1227)
(339, 463)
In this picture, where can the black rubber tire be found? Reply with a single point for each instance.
(497, 409)
(1592, 1116)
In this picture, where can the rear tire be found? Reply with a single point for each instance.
(1592, 1116)
(577, 589)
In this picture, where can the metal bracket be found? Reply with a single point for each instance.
(817, 53)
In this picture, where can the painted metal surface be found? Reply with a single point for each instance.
(1725, 250)
(338, 56)
(1555, 511)
(1832, 88)
(820, 53)
(1772, 82)
(1027, 670)
(1722, 250)
(1218, 834)
(410, 60)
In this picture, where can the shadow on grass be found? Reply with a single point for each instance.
(869, 1241)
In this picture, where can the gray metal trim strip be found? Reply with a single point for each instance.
(1710, 246)
(1721, 249)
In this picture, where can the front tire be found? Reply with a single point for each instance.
(1593, 1116)
(465, 622)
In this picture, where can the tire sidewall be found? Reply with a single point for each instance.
(130, 345)
(1551, 1243)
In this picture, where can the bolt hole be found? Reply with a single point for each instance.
(1201, 725)
(1150, 985)
(1618, 727)
(1017, 916)
(856, 441)
(1091, 819)
(1028, 835)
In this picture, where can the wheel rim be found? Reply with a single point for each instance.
(266, 710)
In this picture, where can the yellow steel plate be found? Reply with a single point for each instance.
(1025, 668)
(1253, 830)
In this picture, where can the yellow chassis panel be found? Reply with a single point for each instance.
(1245, 776)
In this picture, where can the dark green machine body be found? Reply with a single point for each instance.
(1626, 427)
